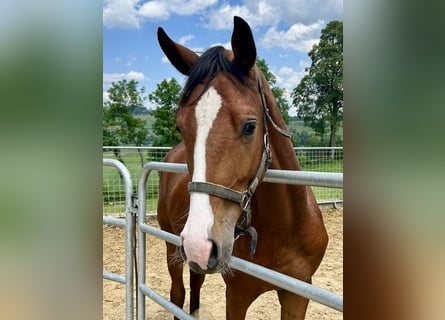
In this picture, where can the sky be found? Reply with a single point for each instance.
(284, 33)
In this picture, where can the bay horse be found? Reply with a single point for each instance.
(232, 131)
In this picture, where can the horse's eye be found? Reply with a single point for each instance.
(249, 128)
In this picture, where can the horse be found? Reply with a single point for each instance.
(232, 132)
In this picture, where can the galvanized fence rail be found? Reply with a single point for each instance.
(330, 299)
(311, 159)
(129, 223)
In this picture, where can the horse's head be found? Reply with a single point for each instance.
(222, 123)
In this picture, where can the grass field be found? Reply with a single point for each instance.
(113, 188)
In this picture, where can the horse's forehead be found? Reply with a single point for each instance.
(206, 111)
(208, 107)
(223, 93)
(217, 97)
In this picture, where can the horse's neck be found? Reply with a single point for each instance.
(283, 206)
(283, 199)
(283, 153)
(282, 149)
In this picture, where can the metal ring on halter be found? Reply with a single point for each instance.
(245, 201)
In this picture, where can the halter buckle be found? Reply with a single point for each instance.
(246, 198)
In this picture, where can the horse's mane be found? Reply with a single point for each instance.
(209, 64)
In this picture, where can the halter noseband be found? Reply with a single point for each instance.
(244, 198)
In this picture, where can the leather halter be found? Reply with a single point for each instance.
(244, 198)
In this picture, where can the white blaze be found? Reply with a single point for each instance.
(195, 236)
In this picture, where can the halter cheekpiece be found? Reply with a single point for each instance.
(244, 198)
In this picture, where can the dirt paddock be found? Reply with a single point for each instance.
(329, 276)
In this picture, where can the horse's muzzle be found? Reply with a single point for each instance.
(215, 263)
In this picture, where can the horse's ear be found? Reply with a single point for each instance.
(181, 57)
(243, 45)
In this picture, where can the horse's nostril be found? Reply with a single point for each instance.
(213, 258)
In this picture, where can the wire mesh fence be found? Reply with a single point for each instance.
(134, 158)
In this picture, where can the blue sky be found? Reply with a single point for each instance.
(284, 31)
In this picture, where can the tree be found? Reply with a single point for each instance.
(277, 91)
(166, 97)
(120, 127)
(319, 96)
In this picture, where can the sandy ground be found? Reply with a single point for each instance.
(329, 276)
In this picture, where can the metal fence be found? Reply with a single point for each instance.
(330, 299)
(129, 223)
(316, 179)
(134, 158)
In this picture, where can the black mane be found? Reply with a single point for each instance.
(209, 64)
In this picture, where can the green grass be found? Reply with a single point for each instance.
(325, 166)
(119, 208)
(113, 188)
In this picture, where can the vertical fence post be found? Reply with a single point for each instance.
(130, 224)
(142, 192)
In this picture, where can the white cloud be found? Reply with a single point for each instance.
(298, 37)
(271, 12)
(120, 13)
(257, 13)
(288, 78)
(183, 40)
(161, 10)
(131, 13)
(132, 75)
(157, 10)
(221, 18)
(135, 75)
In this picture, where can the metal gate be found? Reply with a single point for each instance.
(330, 299)
(129, 223)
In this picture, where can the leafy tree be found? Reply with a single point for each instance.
(166, 97)
(319, 96)
(120, 127)
(278, 92)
